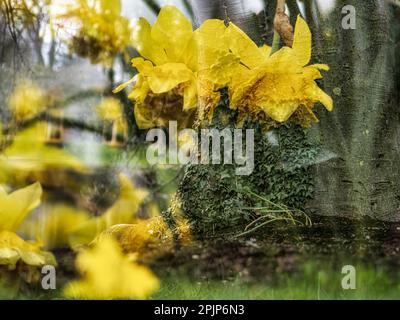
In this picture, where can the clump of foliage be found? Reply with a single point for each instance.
(216, 201)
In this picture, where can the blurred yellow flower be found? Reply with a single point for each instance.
(29, 156)
(122, 211)
(103, 31)
(27, 100)
(177, 72)
(278, 86)
(14, 208)
(108, 274)
(14, 249)
(152, 236)
(140, 237)
(111, 111)
(53, 226)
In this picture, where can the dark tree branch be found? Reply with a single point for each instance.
(189, 8)
(153, 5)
(293, 10)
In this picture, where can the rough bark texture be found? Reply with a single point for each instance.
(363, 129)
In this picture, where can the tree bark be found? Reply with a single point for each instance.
(363, 130)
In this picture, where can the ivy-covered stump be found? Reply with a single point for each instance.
(217, 202)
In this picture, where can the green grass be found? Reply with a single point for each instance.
(311, 283)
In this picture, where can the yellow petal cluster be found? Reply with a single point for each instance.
(174, 75)
(54, 225)
(103, 31)
(140, 237)
(14, 208)
(108, 274)
(111, 110)
(181, 70)
(28, 156)
(27, 100)
(279, 86)
(14, 249)
(152, 236)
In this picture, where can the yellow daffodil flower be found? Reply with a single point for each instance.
(27, 100)
(152, 236)
(279, 86)
(177, 72)
(14, 249)
(14, 208)
(122, 211)
(28, 156)
(110, 110)
(140, 237)
(103, 31)
(108, 274)
(54, 225)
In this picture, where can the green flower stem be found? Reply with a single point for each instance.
(276, 43)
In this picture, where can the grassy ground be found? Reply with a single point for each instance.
(272, 265)
(311, 283)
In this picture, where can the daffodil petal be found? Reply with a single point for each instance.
(265, 50)
(209, 45)
(143, 66)
(123, 85)
(320, 66)
(282, 62)
(302, 41)
(16, 206)
(323, 97)
(167, 76)
(140, 90)
(190, 96)
(13, 249)
(145, 44)
(242, 46)
(281, 111)
(172, 31)
(109, 274)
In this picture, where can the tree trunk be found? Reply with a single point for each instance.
(363, 130)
